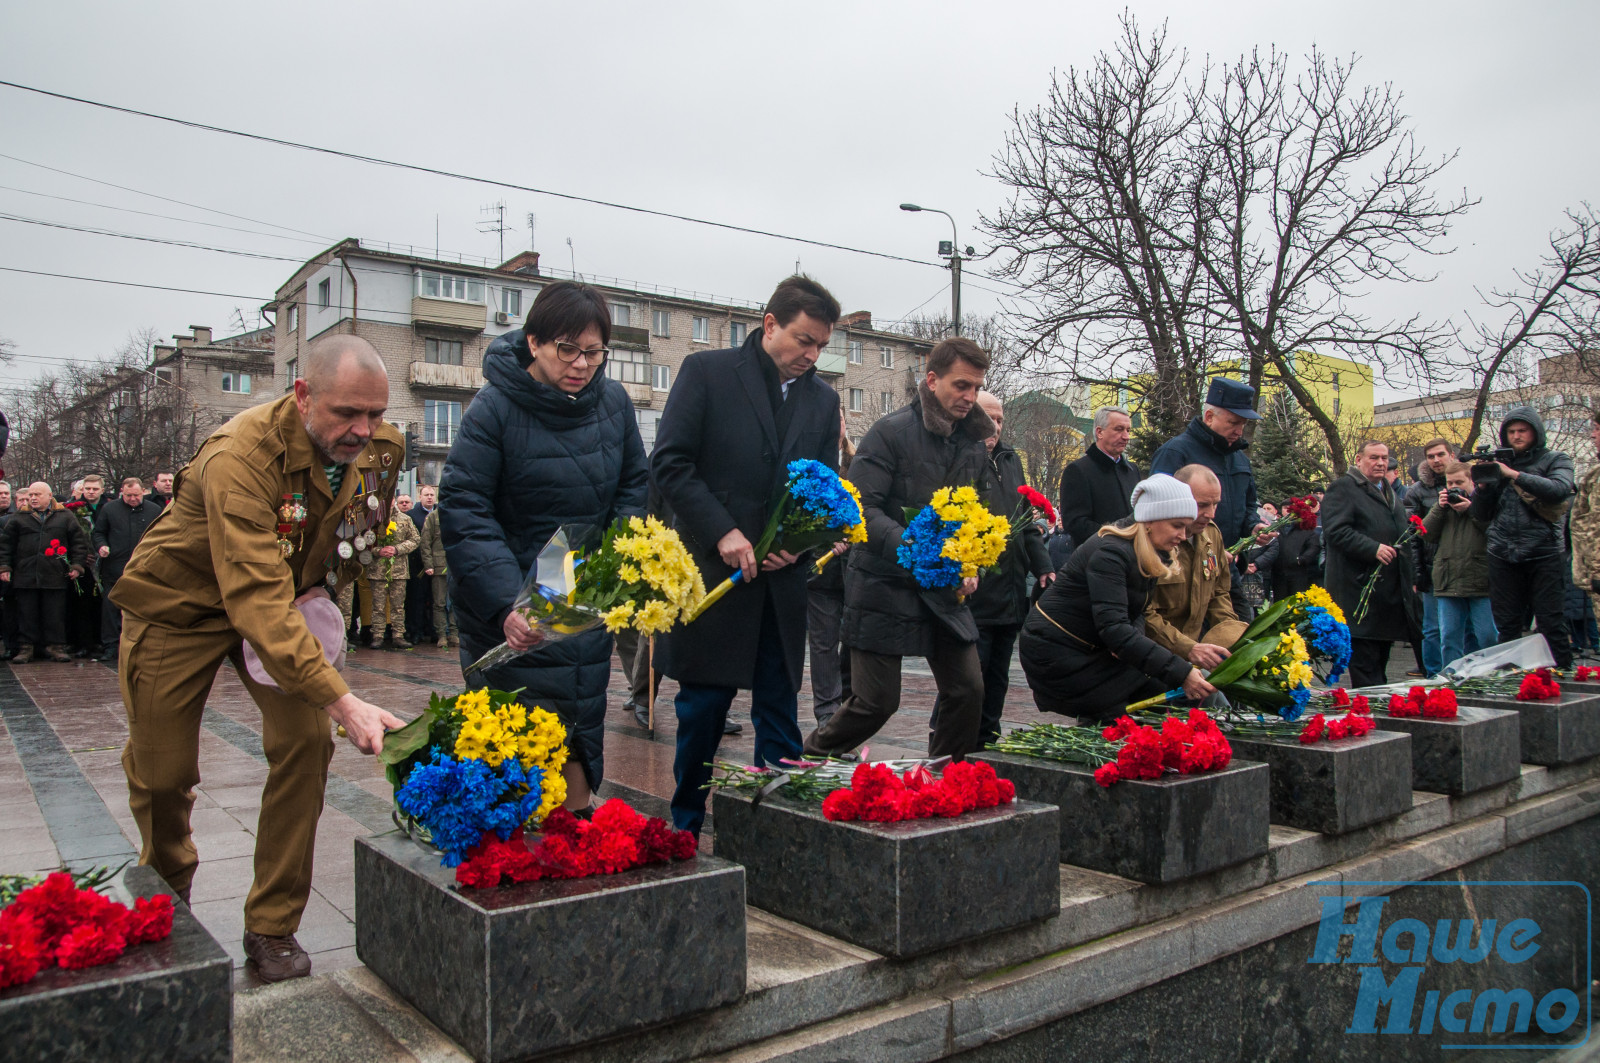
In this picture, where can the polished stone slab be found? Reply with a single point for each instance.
(166, 1000)
(1472, 751)
(1563, 730)
(527, 970)
(898, 889)
(1151, 830)
(1334, 787)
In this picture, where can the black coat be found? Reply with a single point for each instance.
(1103, 659)
(1356, 517)
(1516, 532)
(1095, 491)
(25, 539)
(120, 527)
(1421, 497)
(1239, 512)
(1002, 596)
(719, 464)
(530, 458)
(1295, 568)
(903, 460)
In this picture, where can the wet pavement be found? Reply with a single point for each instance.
(63, 796)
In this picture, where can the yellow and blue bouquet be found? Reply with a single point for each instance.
(477, 763)
(952, 538)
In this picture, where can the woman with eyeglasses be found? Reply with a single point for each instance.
(550, 440)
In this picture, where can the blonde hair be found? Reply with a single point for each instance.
(1150, 563)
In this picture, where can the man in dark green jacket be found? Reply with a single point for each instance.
(1460, 567)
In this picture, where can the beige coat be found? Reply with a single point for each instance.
(1193, 604)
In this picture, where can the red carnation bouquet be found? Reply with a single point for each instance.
(877, 794)
(1033, 501)
(55, 923)
(1321, 729)
(1438, 704)
(1538, 685)
(1584, 674)
(1185, 745)
(1359, 705)
(616, 839)
(1296, 511)
(1414, 528)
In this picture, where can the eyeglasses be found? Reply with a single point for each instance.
(568, 352)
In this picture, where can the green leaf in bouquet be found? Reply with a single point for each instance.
(910, 514)
(402, 746)
(1266, 620)
(1241, 661)
(1259, 694)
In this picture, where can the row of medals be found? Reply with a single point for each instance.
(357, 532)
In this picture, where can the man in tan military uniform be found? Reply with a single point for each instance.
(1190, 612)
(1585, 523)
(224, 564)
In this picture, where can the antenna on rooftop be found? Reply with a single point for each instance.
(533, 232)
(497, 225)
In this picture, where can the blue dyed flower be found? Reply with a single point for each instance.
(1328, 638)
(818, 492)
(922, 550)
(458, 801)
(1299, 698)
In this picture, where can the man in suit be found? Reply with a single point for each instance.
(1095, 489)
(1362, 516)
(734, 420)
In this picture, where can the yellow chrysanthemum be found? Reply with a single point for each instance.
(628, 574)
(856, 533)
(617, 619)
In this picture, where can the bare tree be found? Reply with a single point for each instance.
(1106, 214)
(1553, 312)
(1008, 373)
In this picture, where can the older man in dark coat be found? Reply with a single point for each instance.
(1095, 489)
(41, 552)
(734, 420)
(937, 441)
(118, 527)
(1361, 518)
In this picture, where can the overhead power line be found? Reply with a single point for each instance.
(146, 239)
(169, 217)
(376, 161)
(133, 284)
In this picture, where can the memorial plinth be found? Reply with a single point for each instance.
(1472, 751)
(1562, 730)
(898, 889)
(168, 1000)
(1338, 786)
(521, 971)
(1151, 830)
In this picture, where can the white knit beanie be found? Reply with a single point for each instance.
(1160, 497)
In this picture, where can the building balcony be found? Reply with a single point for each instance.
(446, 377)
(642, 395)
(832, 364)
(449, 313)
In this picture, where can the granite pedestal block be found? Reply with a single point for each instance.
(1151, 830)
(1559, 731)
(898, 889)
(1473, 751)
(525, 970)
(1335, 787)
(166, 1000)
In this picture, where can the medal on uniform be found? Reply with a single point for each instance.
(372, 501)
(366, 557)
(291, 520)
(346, 551)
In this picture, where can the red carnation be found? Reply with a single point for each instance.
(1341, 697)
(150, 920)
(1359, 725)
(1313, 729)
(1538, 686)
(21, 954)
(89, 945)
(1416, 523)
(1440, 704)
(1361, 706)
(841, 805)
(1038, 501)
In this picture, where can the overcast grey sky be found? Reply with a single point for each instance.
(813, 120)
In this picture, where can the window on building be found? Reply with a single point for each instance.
(511, 301)
(661, 323)
(702, 330)
(124, 396)
(291, 372)
(738, 332)
(236, 383)
(621, 314)
(325, 292)
(448, 286)
(856, 397)
(661, 377)
(294, 317)
(442, 352)
(630, 367)
(886, 357)
(885, 402)
(166, 375)
(855, 352)
(439, 422)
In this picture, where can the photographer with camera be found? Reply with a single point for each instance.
(1523, 490)
(1420, 497)
(1458, 550)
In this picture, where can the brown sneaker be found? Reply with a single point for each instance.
(399, 642)
(23, 656)
(443, 644)
(58, 653)
(277, 959)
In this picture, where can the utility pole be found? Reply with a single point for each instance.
(498, 225)
(950, 250)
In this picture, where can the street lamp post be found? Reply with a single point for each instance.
(952, 251)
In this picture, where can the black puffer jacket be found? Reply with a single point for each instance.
(24, 541)
(1002, 596)
(1516, 532)
(906, 457)
(1084, 647)
(1420, 498)
(530, 458)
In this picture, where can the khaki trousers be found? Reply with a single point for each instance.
(166, 675)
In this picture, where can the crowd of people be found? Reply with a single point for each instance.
(1141, 586)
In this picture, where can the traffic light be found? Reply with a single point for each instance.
(409, 462)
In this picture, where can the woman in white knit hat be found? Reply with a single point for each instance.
(1083, 646)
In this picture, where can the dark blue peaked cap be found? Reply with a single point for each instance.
(1234, 397)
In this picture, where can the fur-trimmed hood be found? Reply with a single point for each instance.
(977, 424)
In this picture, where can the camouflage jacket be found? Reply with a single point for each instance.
(1585, 524)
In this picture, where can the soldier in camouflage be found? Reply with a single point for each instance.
(1586, 523)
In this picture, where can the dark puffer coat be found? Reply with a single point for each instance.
(906, 457)
(24, 541)
(1084, 647)
(1002, 596)
(530, 458)
(1420, 499)
(1238, 513)
(1516, 532)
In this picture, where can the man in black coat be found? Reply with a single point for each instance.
(937, 441)
(1001, 602)
(85, 604)
(419, 589)
(41, 552)
(1095, 489)
(1361, 519)
(118, 527)
(8, 611)
(734, 420)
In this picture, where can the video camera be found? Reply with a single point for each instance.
(1485, 463)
